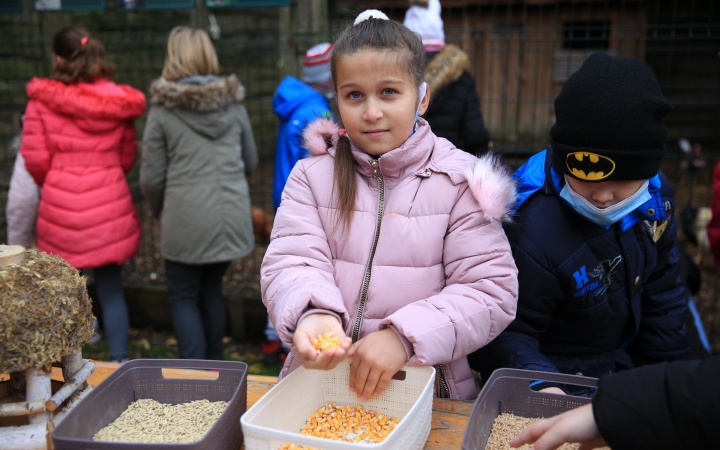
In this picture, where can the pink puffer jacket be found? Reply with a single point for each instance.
(78, 143)
(442, 272)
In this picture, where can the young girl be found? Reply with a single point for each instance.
(197, 147)
(389, 237)
(78, 143)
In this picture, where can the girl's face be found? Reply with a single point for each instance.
(377, 100)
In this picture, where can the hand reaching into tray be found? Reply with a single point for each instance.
(308, 330)
(576, 425)
(376, 358)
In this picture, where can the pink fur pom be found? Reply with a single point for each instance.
(492, 187)
(320, 135)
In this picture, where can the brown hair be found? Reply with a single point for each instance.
(379, 35)
(189, 52)
(83, 56)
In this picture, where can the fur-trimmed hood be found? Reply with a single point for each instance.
(101, 99)
(447, 66)
(489, 180)
(202, 98)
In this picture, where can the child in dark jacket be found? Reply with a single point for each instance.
(594, 234)
(665, 406)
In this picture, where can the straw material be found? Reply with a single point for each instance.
(46, 312)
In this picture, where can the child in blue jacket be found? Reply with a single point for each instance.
(594, 234)
(297, 103)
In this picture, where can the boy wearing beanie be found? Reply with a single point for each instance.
(297, 103)
(594, 234)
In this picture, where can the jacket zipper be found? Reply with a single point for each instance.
(444, 391)
(366, 282)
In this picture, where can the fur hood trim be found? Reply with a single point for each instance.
(446, 67)
(488, 178)
(492, 186)
(83, 101)
(320, 135)
(208, 97)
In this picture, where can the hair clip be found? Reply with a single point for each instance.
(342, 132)
(84, 40)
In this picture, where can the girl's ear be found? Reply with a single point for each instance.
(425, 102)
(59, 61)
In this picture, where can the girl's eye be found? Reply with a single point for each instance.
(355, 95)
(388, 91)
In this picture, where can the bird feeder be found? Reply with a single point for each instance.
(46, 318)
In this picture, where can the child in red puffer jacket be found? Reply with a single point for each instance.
(78, 143)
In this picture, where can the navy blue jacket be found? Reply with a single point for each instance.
(296, 104)
(589, 293)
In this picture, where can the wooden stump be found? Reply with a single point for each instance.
(11, 254)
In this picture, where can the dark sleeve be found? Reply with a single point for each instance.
(663, 335)
(472, 131)
(518, 347)
(665, 406)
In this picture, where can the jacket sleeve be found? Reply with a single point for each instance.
(661, 407)
(713, 229)
(663, 333)
(472, 131)
(22, 203)
(518, 347)
(34, 145)
(249, 150)
(153, 168)
(480, 296)
(128, 147)
(297, 272)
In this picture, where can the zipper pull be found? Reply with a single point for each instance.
(376, 168)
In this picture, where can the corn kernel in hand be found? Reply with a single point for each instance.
(325, 342)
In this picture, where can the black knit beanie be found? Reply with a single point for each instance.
(609, 121)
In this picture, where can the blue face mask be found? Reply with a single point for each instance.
(609, 215)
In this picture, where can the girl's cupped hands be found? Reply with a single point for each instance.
(308, 330)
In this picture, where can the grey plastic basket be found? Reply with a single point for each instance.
(143, 378)
(508, 391)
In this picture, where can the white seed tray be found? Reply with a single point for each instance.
(277, 418)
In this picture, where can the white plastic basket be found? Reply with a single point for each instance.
(277, 418)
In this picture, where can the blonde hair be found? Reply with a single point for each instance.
(189, 52)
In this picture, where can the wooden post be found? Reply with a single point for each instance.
(312, 25)
(71, 364)
(38, 389)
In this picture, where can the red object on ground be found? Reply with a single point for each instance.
(713, 229)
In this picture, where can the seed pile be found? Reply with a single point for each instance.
(508, 426)
(349, 424)
(325, 342)
(149, 421)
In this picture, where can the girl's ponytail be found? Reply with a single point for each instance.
(83, 56)
(345, 183)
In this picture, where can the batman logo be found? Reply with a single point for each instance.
(589, 166)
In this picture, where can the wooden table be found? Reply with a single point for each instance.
(449, 417)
